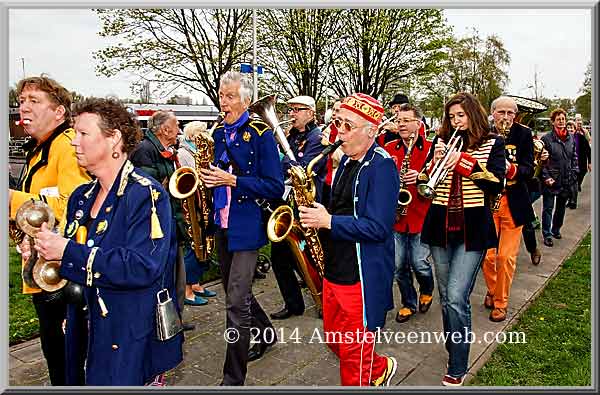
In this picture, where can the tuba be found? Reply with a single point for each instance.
(438, 173)
(38, 272)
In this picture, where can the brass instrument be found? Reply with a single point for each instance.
(538, 149)
(438, 173)
(283, 226)
(404, 196)
(380, 128)
(495, 204)
(183, 185)
(265, 109)
(38, 272)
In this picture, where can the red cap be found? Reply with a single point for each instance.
(365, 106)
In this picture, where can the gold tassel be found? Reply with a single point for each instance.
(156, 232)
(81, 235)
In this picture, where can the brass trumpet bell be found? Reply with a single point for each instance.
(32, 214)
(45, 275)
(280, 223)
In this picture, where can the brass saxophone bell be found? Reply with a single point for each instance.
(32, 214)
(45, 275)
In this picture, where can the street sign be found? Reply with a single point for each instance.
(247, 68)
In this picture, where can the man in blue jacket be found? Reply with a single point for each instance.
(247, 168)
(358, 241)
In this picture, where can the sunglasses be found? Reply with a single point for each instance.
(344, 125)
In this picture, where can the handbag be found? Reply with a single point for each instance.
(168, 321)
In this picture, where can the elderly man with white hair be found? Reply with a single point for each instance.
(512, 208)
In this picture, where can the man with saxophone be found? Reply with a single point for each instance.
(51, 174)
(512, 210)
(357, 235)
(305, 142)
(156, 155)
(409, 152)
(247, 168)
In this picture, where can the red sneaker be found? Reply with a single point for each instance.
(450, 381)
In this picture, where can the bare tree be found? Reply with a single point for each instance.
(169, 47)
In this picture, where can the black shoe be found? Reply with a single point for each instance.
(259, 275)
(572, 206)
(283, 314)
(258, 350)
(548, 242)
(188, 327)
(557, 236)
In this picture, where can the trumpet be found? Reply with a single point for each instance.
(265, 109)
(438, 172)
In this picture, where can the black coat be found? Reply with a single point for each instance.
(519, 150)
(561, 164)
(584, 152)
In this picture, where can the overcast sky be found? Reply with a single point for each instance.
(556, 43)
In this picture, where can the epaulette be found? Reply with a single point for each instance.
(140, 179)
(430, 136)
(259, 126)
(382, 152)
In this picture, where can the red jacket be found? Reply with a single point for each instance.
(412, 222)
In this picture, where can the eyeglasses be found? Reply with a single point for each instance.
(405, 120)
(345, 125)
(297, 109)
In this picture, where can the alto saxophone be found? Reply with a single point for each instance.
(404, 196)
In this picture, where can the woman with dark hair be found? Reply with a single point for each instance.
(120, 246)
(559, 176)
(459, 226)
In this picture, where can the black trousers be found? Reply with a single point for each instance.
(245, 317)
(284, 264)
(51, 310)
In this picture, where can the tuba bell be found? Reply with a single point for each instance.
(37, 272)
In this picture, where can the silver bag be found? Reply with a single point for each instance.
(168, 321)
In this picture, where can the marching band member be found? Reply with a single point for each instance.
(514, 208)
(459, 227)
(128, 250)
(305, 142)
(51, 174)
(248, 169)
(411, 255)
(359, 244)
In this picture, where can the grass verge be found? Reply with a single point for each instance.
(558, 332)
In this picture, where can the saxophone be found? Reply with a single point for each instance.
(283, 226)
(504, 130)
(404, 196)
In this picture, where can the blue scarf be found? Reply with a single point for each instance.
(220, 193)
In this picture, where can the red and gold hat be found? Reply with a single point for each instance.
(365, 106)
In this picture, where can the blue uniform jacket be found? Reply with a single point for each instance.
(375, 197)
(125, 267)
(259, 175)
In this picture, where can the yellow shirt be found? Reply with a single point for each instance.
(52, 181)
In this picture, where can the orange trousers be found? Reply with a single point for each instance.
(499, 264)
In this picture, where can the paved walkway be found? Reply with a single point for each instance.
(302, 361)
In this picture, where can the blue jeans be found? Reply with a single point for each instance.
(548, 219)
(194, 269)
(411, 256)
(456, 272)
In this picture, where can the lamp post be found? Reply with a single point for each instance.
(23, 66)
(254, 71)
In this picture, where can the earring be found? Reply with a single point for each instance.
(115, 155)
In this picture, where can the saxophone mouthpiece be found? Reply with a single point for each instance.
(332, 147)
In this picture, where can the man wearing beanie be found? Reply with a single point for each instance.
(357, 236)
(305, 143)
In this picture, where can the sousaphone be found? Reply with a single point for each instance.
(38, 272)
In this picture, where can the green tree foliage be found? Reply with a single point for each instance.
(473, 65)
(190, 47)
(380, 49)
(583, 104)
(297, 48)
